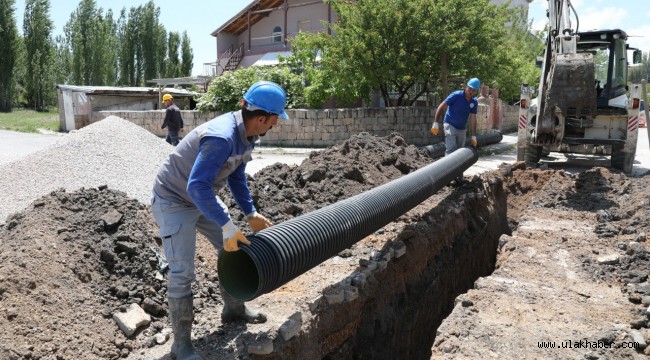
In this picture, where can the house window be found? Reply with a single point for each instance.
(304, 25)
(277, 34)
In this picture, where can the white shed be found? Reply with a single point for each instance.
(77, 103)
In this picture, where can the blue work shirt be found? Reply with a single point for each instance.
(458, 109)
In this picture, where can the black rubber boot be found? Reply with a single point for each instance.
(235, 309)
(181, 315)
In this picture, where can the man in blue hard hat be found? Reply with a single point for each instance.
(457, 108)
(184, 200)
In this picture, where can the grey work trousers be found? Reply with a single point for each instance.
(454, 138)
(178, 226)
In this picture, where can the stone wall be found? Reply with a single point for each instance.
(152, 120)
(322, 128)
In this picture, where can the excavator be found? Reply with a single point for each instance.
(584, 104)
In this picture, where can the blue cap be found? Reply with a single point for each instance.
(267, 96)
(474, 83)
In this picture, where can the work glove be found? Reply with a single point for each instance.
(435, 129)
(257, 222)
(474, 141)
(231, 236)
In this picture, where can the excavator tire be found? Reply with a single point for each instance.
(532, 155)
(622, 160)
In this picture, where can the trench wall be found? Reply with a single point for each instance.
(327, 127)
(399, 308)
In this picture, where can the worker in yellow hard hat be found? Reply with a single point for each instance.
(173, 120)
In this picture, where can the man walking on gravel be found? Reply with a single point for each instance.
(184, 201)
(457, 108)
(173, 120)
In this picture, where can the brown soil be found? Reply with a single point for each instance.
(571, 281)
(72, 260)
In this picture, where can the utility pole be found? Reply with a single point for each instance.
(644, 93)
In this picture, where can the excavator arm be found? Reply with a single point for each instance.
(567, 83)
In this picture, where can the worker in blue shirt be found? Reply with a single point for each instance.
(184, 200)
(457, 108)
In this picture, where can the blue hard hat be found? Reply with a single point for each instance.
(267, 96)
(474, 83)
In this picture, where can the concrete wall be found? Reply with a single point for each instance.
(322, 128)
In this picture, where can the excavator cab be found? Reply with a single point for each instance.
(609, 49)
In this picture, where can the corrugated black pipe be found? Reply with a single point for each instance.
(284, 251)
(438, 150)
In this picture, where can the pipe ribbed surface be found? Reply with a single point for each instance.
(284, 251)
(438, 150)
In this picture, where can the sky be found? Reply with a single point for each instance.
(200, 17)
(632, 16)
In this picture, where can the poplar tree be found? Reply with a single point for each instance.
(173, 62)
(161, 53)
(187, 56)
(62, 61)
(127, 44)
(149, 28)
(8, 44)
(37, 30)
(92, 39)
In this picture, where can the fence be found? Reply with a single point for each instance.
(327, 127)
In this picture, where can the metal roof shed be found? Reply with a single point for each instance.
(76, 103)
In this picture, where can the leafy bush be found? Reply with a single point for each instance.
(226, 91)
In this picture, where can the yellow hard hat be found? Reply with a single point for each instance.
(167, 97)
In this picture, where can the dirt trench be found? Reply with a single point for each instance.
(398, 309)
(71, 261)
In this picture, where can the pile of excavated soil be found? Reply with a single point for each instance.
(72, 259)
(359, 164)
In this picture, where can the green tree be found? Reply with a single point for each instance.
(105, 53)
(187, 56)
(20, 74)
(225, 92)
(515, 58)
(37, 29)
(149, 30)
(62, 60)
(305, 59)
(161, 52)
(9, 46)
(173, 68)
(92, 39)
(404, 48)
(127, 45)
